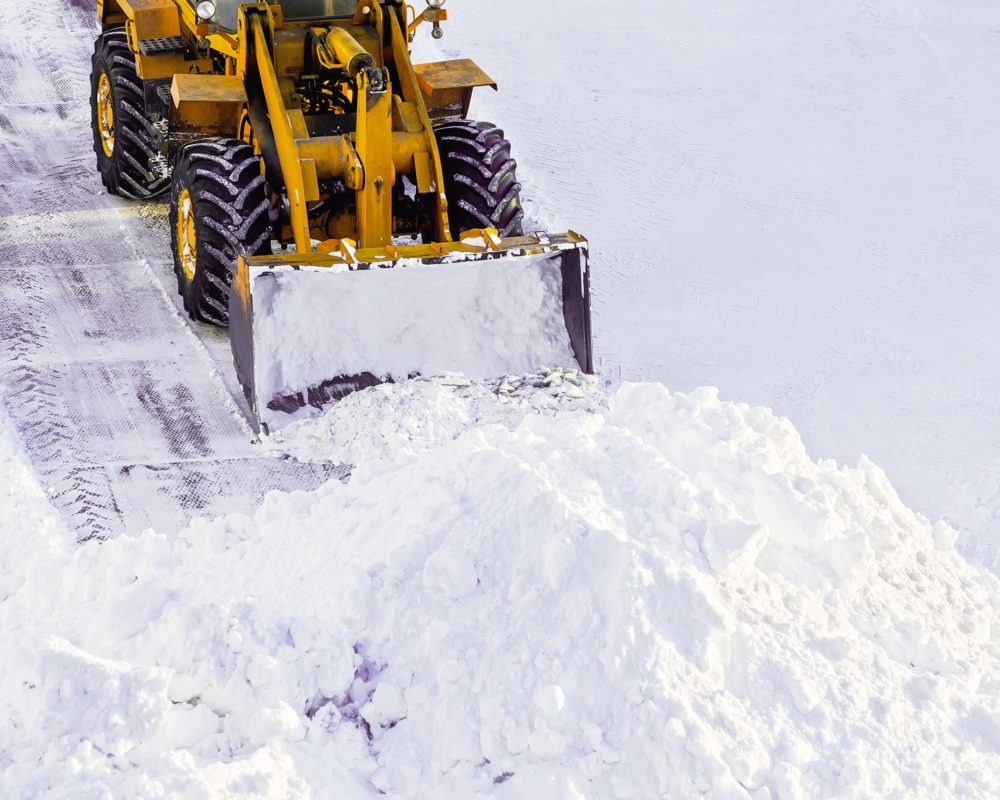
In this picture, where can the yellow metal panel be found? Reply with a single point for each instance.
(405, 146)
(334, 157)
(445, 103)
(109, 12)
(424, 172)
(288, 154)
(165, 66)
(448, 86)
(153, 18)
(210, 104)
(298, 122)
(207, 89)
(310, 180)
(374, 146)
(461, 73)
(405, 116)
(289, 52)
(286, 86)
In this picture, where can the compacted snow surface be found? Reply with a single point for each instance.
(563, 595)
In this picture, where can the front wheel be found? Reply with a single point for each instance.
(219, 211)
(480, 178)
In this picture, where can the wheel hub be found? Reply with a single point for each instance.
(187, 238)
(106, 114)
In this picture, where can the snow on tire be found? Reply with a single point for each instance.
(479, 177)
(218, 211)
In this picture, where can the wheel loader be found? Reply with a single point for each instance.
(330, 200)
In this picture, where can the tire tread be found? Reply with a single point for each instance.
(127, 171)
(232, 216)
(480, 177)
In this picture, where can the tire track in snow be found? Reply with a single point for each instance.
(125, 413)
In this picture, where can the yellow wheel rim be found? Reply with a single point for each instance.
(105, 114)
(187, 236)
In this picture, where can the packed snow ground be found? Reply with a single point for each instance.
(131, 415)
(663, 598)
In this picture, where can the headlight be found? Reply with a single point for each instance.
(205, 9)
(435, 3)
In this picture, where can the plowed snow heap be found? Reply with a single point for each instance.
(666, 598)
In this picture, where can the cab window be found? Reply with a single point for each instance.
(317, 9)
(226, 11)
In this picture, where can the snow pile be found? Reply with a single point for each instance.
(666, 598)
(393, 421)
(29, 526)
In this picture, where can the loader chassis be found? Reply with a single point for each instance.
(201, 81)
(303, 123)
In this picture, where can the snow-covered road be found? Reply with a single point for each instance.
(129, 413)
(795, 202)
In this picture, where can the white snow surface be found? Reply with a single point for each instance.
(480, 319)
(663, 598)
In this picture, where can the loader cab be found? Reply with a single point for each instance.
(227, 11)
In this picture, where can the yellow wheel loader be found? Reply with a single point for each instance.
(330, 200)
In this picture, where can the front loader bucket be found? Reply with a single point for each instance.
(307, 330)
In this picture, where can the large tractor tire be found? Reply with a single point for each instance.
(479, 178)
(123, 136)
(219, 210)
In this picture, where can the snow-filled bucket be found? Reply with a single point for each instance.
(307, 331)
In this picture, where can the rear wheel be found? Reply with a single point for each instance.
(123, 136)
(479, 177)
(219, 211)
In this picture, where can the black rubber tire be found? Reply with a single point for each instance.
(231, 216)
(126, 172)
(480, 179)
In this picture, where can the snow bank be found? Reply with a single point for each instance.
(29, 527)
(666, 598)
